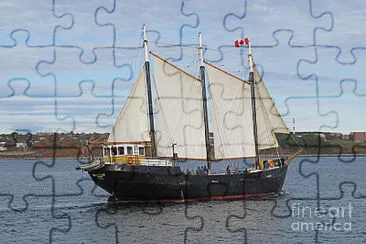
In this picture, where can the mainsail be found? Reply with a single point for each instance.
(269, 121)
(132, 124)
(179, 115)
(231, 115)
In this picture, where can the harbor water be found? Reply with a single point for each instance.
(45, 201)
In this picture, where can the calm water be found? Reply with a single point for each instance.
(45, 203)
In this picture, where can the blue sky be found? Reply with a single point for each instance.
(69, 65)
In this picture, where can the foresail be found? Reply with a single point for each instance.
(132, 124)
(179, 115)
(231, 115)
(269, 121)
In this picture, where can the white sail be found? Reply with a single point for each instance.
(269, 121)
(132, 124)
(179, 115)
(231, 115)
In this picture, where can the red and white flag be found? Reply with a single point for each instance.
(239, 43)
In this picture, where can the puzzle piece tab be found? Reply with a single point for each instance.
(85, 33)
(21, 64)
(37, 18)
(346, 31)
(278, 16)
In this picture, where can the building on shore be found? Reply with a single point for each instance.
(358, 136)
(21, 145)
(3, 146)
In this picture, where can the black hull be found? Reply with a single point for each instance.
(166, 184)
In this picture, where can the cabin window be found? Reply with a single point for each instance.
(129, 150)
(141, 151)
(121, 150)
(106, 152)
(114, 151)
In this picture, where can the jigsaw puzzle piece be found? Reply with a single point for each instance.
(84, 109)
(25, 16)
(38, 112)
(179, 115)
(212, 26)
(277, 16)
(328, 85)
(68, 72)
(346, 209)
(126, 35)
(54, 169)
(280, 72)
(141, 224)
(345, 32)
(31, 189)
(346, 165)
(85, 34)
(328, 182)
(326, 219)
(341, 214)
(308, 115)
(261, 226)
(213, 215)
(289, 217)
(21, 64)
(68, 199)
(346, 123)
(80, 208)
(283, 82)
(37, 223)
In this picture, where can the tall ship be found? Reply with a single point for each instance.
(155, 133)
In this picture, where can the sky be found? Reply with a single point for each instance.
(69, 65)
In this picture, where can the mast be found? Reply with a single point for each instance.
(149, 96)
(254, 113)
(204, 102)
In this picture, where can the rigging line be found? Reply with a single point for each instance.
(231, 75)
(174, 66)
(293, 137)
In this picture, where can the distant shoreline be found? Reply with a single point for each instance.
(73, 158)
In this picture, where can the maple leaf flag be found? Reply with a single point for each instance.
(239, 43)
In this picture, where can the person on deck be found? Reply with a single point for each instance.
(228, 170)
(204, 170)
(282, 161)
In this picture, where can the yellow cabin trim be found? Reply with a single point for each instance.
(126, 159)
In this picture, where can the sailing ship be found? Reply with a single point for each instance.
(149, 139)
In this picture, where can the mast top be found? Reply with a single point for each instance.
(145, 43)
(200, 49)
(250, 57)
